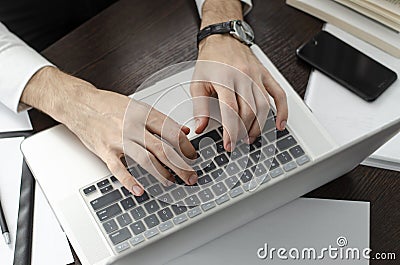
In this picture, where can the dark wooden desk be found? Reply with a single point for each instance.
(132, 39)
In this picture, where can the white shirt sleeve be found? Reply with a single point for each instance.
(18, 63)
(246, 9)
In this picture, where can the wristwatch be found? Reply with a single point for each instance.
(237, 28)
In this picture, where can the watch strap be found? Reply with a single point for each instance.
(219, 28)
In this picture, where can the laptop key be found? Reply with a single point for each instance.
(113, 179)
(256, 155)
(259, 170)
(138, 213)
(165, 226)
(120, 236)
(142, 198)
(178, 194)
(194, 212)
(165, 200)
(236, 192)
(110, 226)
(109, 212)
(206, 195)
(217, 174)
(289, 166)
(204, 180)
(151, 221)
(179, 208)
(106, 200)
(222, 199)
(208, 206)
(89, 189)
(284, 157)
(152, 206)
(232, 169)
(125, 191)
(286, 143)
(269, 150)
(127, 203)
(296, 151)
(232, 182)
(219, 189)
(124, 220)
(165, 214)
(246, 176)
(276, 172)
(192, 188)
(103, 183)
(180, 219)
(271, 163)
(137, 228)
(136, 240)
(220, 147)
(245, 162)
(302, 160)
(192, 201)
(121, 247)
(221, 160)
(207, 152)
(208, 166)
(151, 232)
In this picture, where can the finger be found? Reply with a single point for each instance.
(200, 93)
(279, 96)
(148, 162)
(262, 103)
(171, 131)
(229, 116)
(247, 108)
(118, 169)
(169, 157)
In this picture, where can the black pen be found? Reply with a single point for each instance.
(4, 227)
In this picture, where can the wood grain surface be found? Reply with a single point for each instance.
(119, 48)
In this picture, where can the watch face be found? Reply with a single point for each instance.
(243, 32)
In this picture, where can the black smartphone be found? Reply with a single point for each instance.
(351, 68)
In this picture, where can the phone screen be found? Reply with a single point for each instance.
(346, 65)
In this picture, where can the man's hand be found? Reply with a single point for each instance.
(111, 125)
(248, 99)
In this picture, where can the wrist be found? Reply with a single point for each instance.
(56, 93)
(217, 11)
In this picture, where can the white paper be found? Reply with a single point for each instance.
(303, 223)
(345, 115)
(10, 182)
(49, 245)
(10, 121)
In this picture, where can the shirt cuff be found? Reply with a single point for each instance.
(248, 5)
(18, 64)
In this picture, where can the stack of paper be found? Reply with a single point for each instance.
(50, 245)
(346, 116)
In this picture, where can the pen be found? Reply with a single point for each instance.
(4, 227)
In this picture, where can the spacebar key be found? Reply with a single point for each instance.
(106, 200)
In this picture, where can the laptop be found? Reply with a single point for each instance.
(108, 225)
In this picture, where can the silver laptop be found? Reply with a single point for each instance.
(108, 225)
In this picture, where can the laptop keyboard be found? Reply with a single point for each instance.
(128, 221)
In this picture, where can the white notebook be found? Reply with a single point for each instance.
(346, 116)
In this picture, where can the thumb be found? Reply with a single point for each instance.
(200, 98)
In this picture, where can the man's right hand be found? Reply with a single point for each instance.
(111, 125)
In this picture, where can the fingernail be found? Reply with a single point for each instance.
(193, 179)
(283, 125)
(228, 147)
(137, 190)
